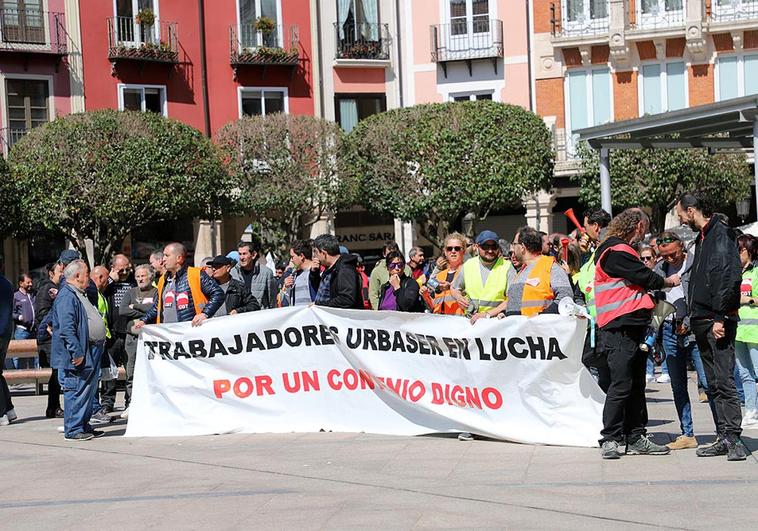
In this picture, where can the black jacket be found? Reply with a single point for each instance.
(407, 295)
(345, 288)
(714, 290)
(626, 266)
(239, 298)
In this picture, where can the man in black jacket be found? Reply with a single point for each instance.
(623, 314)
(340, 285)
(714, 299)
(237, 298)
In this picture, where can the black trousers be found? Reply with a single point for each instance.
(718, 363)
(6, 404)
(53, 385)
(625, 411)
(108, 387)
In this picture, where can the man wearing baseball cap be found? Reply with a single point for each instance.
(237, 298)
(484, 282)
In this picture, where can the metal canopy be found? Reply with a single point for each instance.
(729, 124)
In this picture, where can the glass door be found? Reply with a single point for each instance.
(137, 22)
(659, 13)
(23, 21)
(469, 25)
(250, 35)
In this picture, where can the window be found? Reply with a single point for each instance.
(126, 24)
(23, 21)
(358, 20)
(584, 16)
(352, 108)
(252, 10)
(469, 16)
(660, 13)
(143, 98)
(260, 102)
(723, 10)
(471, 97)
(736, 75)
(28, 104)
(663, 87)
(589, 100)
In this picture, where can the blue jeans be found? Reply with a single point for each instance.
(677, 354)
(743, 354)
(650, 369)
(79, 387)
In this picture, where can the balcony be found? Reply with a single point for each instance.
(9, 136)
(467, 40)
(30, 31)
(579, 20)
(362, 44)
(279, 47)
(657, 16)
(131, 40)
(733, 11)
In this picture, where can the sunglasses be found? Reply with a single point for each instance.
(454, 249)
(489, 246)
(664, 241)
(396, 265)
(647, 258)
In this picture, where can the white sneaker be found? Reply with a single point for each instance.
(11, 414)
(4, 420)
(649, 378)
(61, 429)
(749, 419)
(664, 378)
(125, 414)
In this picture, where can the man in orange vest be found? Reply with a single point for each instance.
(623, 314)
(184, 293)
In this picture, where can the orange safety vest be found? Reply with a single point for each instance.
(445, 303)
(199, 300)
(537, 294)
(614, 296)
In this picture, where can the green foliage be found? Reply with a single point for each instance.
(435, 162)
(656, 177)
(286, 171)
(101, 174)
(9, 201)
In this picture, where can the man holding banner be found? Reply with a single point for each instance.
(623, 315)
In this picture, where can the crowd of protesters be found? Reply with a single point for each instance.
(87, 323)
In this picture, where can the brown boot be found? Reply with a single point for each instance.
(683, 442)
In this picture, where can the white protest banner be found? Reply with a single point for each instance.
(310, 369)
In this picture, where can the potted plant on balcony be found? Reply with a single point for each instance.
(268, 54)
(362, 50)
(145, 17)
(264, 25)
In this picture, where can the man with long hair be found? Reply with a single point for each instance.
(623, 314)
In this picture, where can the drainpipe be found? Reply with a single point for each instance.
(399, 54)
(204, 74)
(320, 52)
(532, 104)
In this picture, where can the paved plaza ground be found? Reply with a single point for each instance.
(355, 480)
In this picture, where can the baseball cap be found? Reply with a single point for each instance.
(234, 255)
(221, 261)
(486, 236)
(68, 256)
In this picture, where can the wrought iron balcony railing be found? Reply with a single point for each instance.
(659, 16)
(281, 46)
(362, 41)
(32, 30)
(733, 10)
(580, 23)
(466, 40)
(129, 39)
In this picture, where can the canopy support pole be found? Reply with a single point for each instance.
(605, 176)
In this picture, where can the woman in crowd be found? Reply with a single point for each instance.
(401, 292)
(746, 343)
(438, 288)
(649, 257)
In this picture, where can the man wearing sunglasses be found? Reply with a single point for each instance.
(676, 334)
(484, 282)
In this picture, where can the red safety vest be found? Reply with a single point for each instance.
(614, 296)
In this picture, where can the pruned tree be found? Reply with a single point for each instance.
(655, 178)
(285, 167)
(99, 175)
(436, 162)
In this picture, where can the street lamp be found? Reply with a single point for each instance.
(468, 224)
(743, 209)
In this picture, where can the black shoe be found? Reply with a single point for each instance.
(82, 436)
(713, 450)
(96, 433)
(100, 418)
(54, 413)
(735, 450)
(610, 450)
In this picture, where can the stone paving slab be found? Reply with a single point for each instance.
(363, 481)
